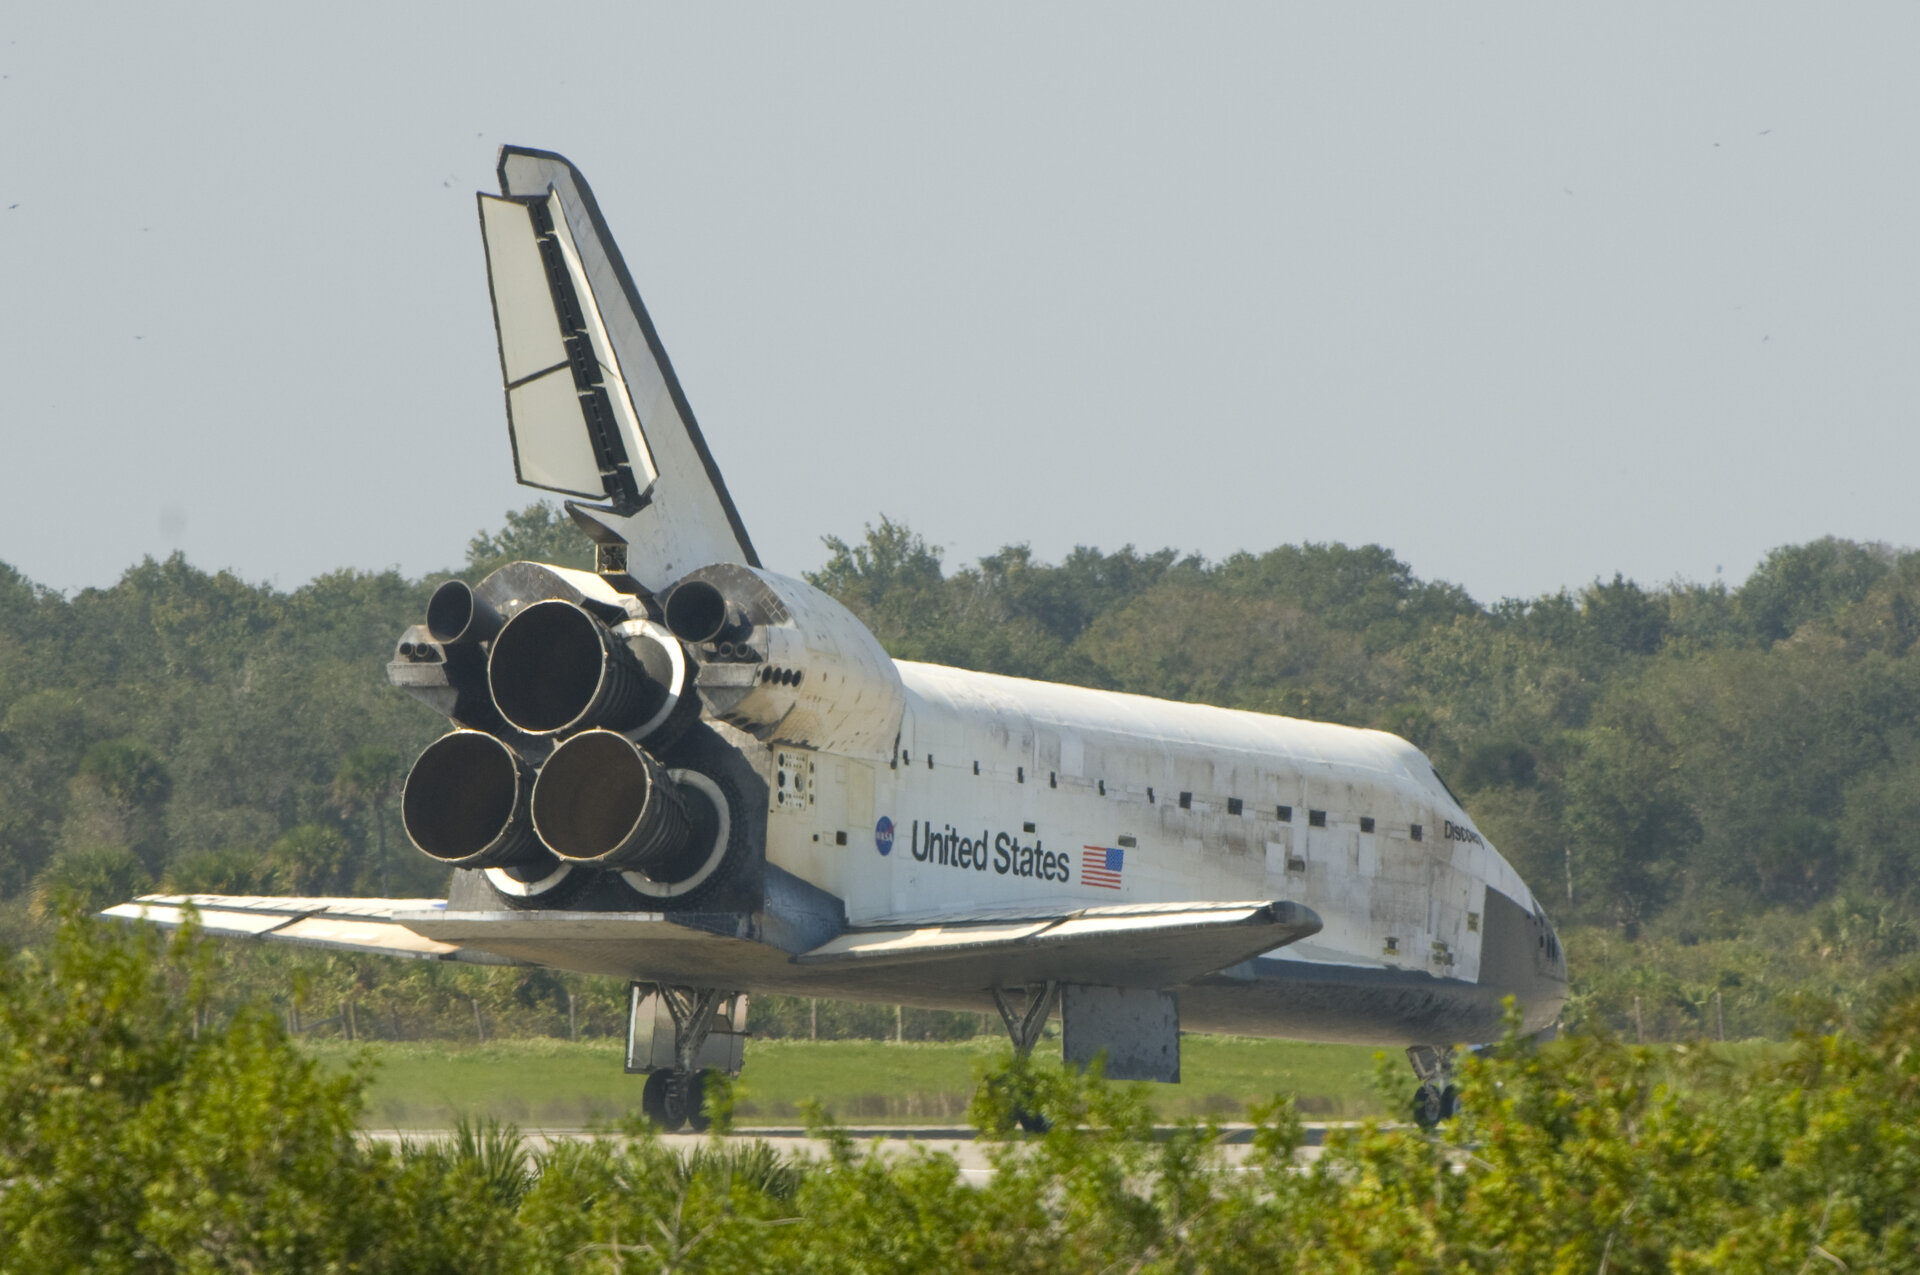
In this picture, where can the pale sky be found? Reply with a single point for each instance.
(1530, 294)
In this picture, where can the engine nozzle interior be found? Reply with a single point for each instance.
(602, 799)
(466, 803)
(555, 668)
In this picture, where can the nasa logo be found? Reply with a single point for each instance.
(883, 835)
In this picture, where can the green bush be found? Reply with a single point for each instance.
(145, 1135)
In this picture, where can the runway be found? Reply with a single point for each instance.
(960, 1142)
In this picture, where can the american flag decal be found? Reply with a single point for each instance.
(1100, 865)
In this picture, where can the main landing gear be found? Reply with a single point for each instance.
(1436, 1099)
(1026, 1020)
(680, 1036)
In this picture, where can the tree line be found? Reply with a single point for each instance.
(1714, 788)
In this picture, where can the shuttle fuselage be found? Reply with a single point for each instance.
(687, 771)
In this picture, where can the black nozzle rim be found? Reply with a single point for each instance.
(697, 612)
(454, 614)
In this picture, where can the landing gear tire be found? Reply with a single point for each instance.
(693, 1101)
(653, 1100)
(1434, 1102)
(672, 1099)
(1024, 1117)
(1031, 1121)
(674, 1107)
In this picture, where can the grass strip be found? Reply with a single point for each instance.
(556, 1084)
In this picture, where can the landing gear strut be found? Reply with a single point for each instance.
(679, 1036)
(1025, 1023)
(1436, 1099)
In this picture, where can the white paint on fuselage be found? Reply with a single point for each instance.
(998, 786)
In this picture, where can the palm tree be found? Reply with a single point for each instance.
(367, 779)
(88, 878)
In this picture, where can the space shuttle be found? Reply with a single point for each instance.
(688, 772)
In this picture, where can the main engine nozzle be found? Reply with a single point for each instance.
(554, 669)
(467, 802)
(602, 799)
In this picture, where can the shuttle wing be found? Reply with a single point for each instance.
(1148, 945)
(675, 947)
(593, 406)
(1138, 945)
(354, 925)
(1145, 945)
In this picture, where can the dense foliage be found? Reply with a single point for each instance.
(1715, 789)
(145, 1135)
